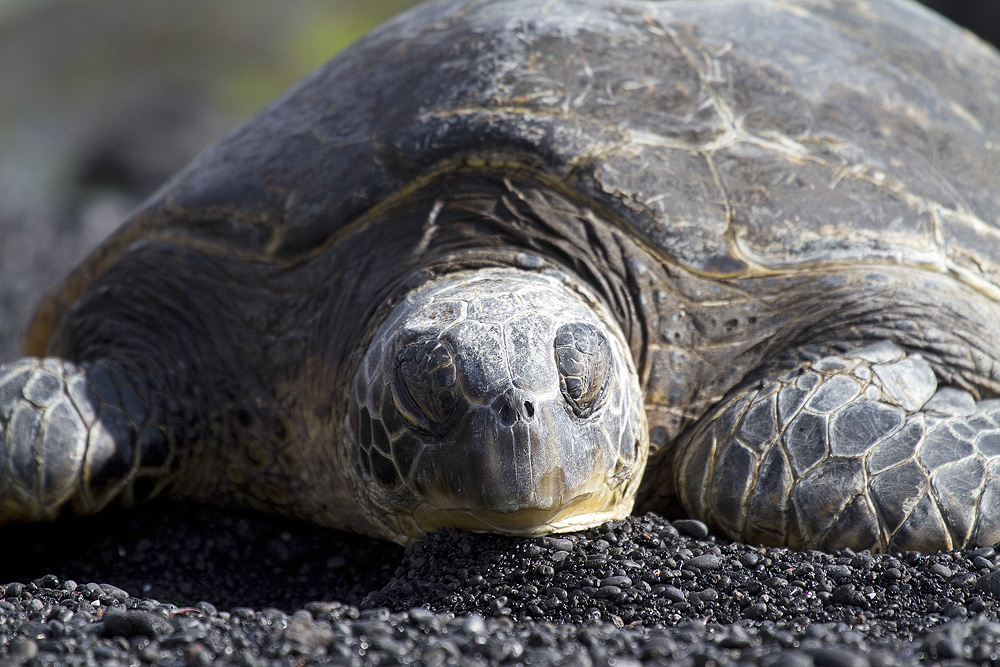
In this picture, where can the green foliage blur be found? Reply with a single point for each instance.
(332, 26)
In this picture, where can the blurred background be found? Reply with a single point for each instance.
(102, 100)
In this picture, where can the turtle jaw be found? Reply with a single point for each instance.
(578, 514)
(547, 473)
(543, 473)
(470, 491)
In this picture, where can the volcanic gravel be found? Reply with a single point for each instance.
(179, 585)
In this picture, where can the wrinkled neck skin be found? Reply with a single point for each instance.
(691, 338)
(674, 326)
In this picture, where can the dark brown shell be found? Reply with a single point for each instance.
(736, 136)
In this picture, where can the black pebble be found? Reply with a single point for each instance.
(692, 528)
(990, 584)
(839, 657)
(704, 562)
(129, 624)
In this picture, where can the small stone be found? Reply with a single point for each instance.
(990, 583)
(941, 570)
(835, 656)
(380, 614)
(981, 563)
(674, 594)
(616, 581)
(692, 528)
(132, 623)
(848, 595)
(793, 658)
(22, 650)
(114, 592)
(559, 543)
(306, 632)
(545, 571)
(948, 648)
(207, 608)
(703, 562)
(708, 595)
(34, 629)
(474, 624)
(422, 616)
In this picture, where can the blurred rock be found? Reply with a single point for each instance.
(101, 101)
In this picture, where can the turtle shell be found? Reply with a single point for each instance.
(733, 137)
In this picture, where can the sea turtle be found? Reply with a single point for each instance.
(479, 266)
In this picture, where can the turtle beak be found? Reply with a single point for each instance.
(507, 471)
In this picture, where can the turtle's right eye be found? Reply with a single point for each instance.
(583, 357)
(424, 384)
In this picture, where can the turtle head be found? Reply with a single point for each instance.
(496, 400)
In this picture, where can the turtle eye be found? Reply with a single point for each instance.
(583, 357)
(424, 384)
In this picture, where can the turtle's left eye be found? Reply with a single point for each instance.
(424, 384)
(583, 357)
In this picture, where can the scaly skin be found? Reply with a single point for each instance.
(859, 450)
(78, 437)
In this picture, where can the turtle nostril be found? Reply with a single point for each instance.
(510, 409)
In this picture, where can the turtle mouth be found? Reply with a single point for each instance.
(517, 480)
(582, 512)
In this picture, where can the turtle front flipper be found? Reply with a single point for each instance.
(77, 437)
(859, 450)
